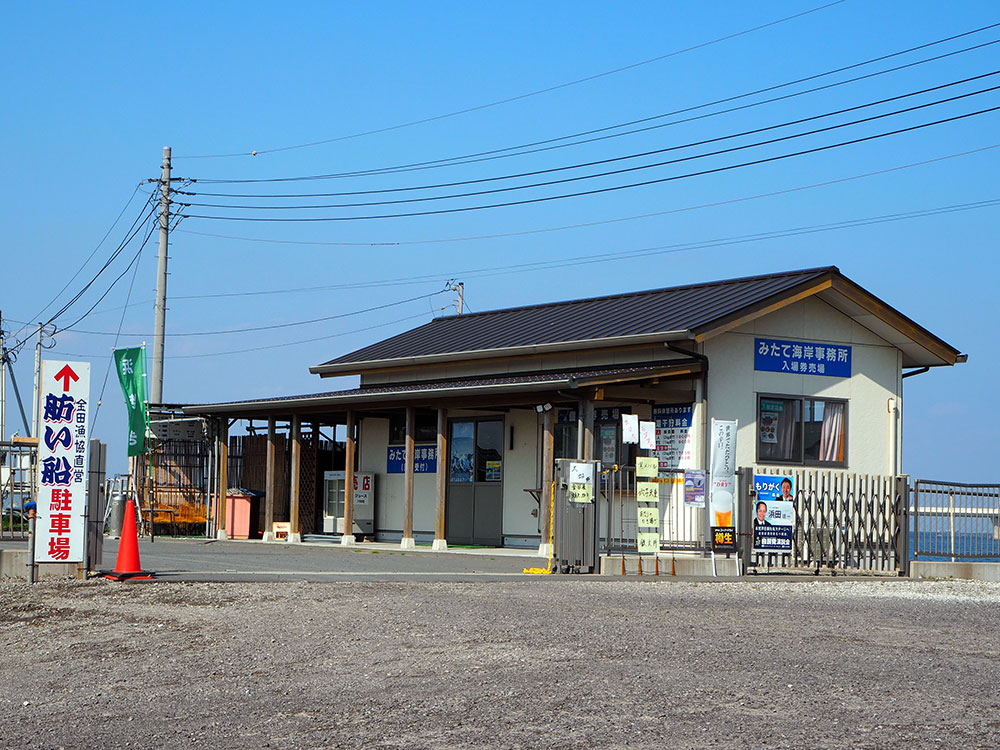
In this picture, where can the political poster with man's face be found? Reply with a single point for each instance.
(774, 513)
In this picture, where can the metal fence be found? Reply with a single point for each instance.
(17, 471)
(953, 521)
(843, 521)
(681, 526)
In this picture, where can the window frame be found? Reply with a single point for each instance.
(802, 432)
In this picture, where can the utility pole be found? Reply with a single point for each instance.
(156, 395)
(38, 378)
(460, 288)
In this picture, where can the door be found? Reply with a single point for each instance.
(474, 503)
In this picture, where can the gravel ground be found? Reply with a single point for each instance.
(533, 663)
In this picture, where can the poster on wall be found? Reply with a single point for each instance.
(774, 513)
(460, 457)
(674, 441)
(694, 488)
(723, 475)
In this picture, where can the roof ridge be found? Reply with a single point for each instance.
(619, 295)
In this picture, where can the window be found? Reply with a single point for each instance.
(424, 428)
(795, 430)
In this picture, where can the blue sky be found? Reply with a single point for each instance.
(92, 96)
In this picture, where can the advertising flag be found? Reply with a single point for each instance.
(131, 367)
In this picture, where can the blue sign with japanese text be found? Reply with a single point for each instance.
(802, 358)
(424, 459)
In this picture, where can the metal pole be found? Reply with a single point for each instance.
(38, 378)
(161, 280)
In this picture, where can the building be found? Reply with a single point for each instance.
(809, 363)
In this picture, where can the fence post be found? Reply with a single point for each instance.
(903, 494)
(746, 493)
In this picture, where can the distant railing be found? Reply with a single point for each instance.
(953, 521)
(17, 469)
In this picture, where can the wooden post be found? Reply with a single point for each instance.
(270, 481)
(440, 543)
(223, 477)
(407, 541)
(348, 538)
(588, 430)
(544, 505)
(294, 531)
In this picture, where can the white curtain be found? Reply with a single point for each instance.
(831, 436)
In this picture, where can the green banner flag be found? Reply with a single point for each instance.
(131, 367)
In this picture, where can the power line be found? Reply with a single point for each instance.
(501, 235)
(275, 346)
(89, 257)
(626, 157)
(519, 150)
(520, 97)
(280, 325)
(641, 252)
(597, 191)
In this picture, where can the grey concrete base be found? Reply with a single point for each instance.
(439, 545)
(294, 538)
(14, 564)
(221, 535)
(348, 540)
(975, 571)
(544, 550)
(668, 565)
(268, 536)
(407, 542)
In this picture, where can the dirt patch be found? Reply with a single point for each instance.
(534, 664)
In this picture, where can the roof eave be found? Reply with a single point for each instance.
(358, 368)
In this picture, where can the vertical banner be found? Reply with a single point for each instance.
(63, 444)
(130, 364)
(723, 472)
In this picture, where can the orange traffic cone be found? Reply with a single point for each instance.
(127, 565)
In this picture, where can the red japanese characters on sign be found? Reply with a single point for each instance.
(62, 461)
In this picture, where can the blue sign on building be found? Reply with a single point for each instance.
(673, 415)
(424, 459)
(802, 358)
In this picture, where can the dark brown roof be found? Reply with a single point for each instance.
(486, 384)
(674, 310)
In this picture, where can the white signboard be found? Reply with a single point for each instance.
(630, 429)
(64, 405)
(723, 476)
(674, 435)
(647, 435)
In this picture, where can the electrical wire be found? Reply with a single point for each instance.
(527, 148)
(641, 252)
(614, 188)
(280, 325)
(501, 235)
(84, 264)
(134, 230)
(107, 371)
(626, 157)
(520, 97)
(276, 346)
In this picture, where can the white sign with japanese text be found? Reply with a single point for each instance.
(64, 404)
(723, 475)
(630, 429)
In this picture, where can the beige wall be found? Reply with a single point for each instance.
(733, 383)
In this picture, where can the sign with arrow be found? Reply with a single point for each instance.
(63, 442)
